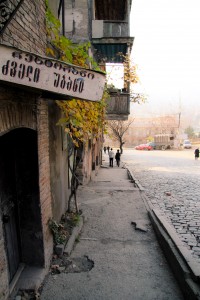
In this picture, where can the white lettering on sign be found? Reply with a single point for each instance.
(50, 75)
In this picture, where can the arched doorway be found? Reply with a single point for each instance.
(19, 199)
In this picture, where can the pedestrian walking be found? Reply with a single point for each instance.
(108, 148)
(117, 157)
(196, 153)
(111, 157)
(104, 149)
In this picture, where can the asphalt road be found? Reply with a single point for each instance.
(171, 180)
(173, 160)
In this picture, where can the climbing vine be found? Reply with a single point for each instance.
(82, 120)
(131, 78)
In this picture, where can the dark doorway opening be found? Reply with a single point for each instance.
(19, 199)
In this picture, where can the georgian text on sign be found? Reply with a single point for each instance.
(52, 76)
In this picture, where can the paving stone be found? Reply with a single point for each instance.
(183, 222)
(192, 228)
(181, 231)
(187, 235)
(182, 208)
(176, 223)
(192, 244)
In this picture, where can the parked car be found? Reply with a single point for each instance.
(144, 147)
(152, 144)
(187, 144)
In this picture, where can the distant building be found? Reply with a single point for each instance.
(143, 129)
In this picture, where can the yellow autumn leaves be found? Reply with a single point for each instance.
(82, 120)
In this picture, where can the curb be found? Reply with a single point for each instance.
(178, 263)
(134, 180)
(186, 271)
(75, 233)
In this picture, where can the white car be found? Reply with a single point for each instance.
(187, 144)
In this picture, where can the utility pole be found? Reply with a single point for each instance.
(179, 121)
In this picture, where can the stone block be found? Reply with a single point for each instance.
(59, 249)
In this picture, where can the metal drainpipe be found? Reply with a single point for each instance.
(62, 7)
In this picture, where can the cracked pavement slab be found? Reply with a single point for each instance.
(128, 264)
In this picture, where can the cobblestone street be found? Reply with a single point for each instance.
(172, 183)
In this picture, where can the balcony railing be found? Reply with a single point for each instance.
(114, 29)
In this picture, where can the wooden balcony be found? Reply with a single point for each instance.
(118, 106)
(110, 38)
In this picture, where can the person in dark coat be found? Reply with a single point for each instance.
(196, 153)
(117, 157)
(108, 148)
(104, 149)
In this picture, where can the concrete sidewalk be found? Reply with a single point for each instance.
(117, 256)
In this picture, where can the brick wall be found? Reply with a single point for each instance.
(3, 268)
(20, 108)
(33, 114)
(44, 176)
(13, 114)
(15, 110)
(27, 28)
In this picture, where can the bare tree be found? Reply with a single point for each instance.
(137, 97)
(118, 129)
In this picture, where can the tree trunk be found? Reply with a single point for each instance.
(121, 145)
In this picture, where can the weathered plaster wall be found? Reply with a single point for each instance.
(58, 163)
(76, 22)
(92, 160)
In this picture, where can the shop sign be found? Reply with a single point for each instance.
(50, 75)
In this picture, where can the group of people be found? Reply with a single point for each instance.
(112, 155)
(106, 148)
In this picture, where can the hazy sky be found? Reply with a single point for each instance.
(167, 51)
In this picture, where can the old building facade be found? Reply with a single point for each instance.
(27, 167)
(34, 160)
